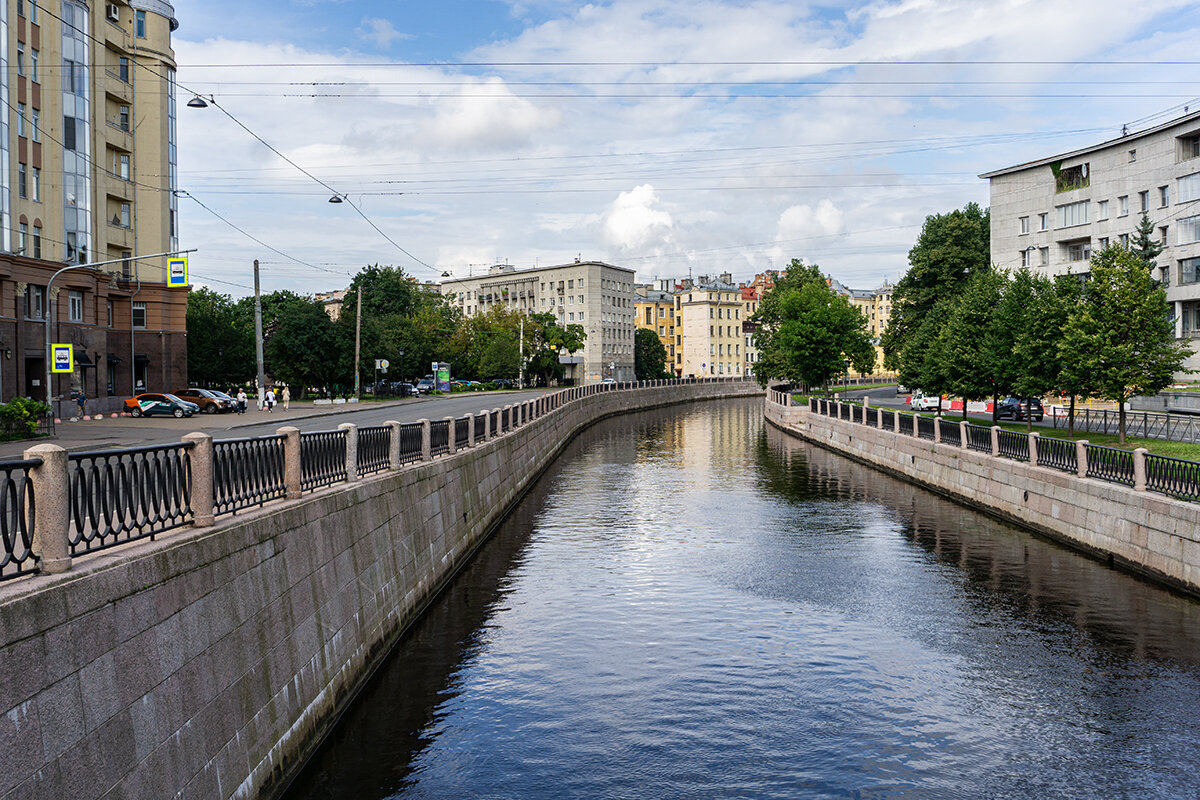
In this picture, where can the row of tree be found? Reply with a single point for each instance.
(403, 322)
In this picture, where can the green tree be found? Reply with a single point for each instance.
(1119, 338)
(649, 355)
(968, 365)
(1067, 294)
(1144, 245)
(951, 248)
(501, 358)
(545, 339)
(302, 351)
(807, 333)
(220, 340)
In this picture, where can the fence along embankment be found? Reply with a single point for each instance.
(1138, 510)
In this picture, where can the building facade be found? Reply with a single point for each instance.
(598, 296)
(655, 311)
(87, 176)
(708, 329)
(1052, 214)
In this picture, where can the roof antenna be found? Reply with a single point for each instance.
(1124, 130)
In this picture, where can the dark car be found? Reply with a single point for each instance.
(209, 402)
(1018, 408)
(426, 385)
(151, 403)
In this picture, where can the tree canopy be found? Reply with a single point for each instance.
(220, 342)
(649, 356)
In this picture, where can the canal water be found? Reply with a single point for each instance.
(693, 605)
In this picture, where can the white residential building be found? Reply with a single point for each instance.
(595, 295)
(1052, 214)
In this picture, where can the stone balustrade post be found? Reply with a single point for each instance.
(1081, 457)
(1033, 447)
(1139, 469)
(917, 425)
(51, 486)
(866, 405)
(879, 418)
(964, 440)
(470, 430)
(203, 497)
(451, 449)
(996, 441)
(937, 430)
(293, 472)
(426, 440)
(394, 444)
(896, 422)
(351, 450)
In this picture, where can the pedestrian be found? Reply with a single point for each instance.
(241, 399)
(80, 399)
(270, 400)
(287, 397)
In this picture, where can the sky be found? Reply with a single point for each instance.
(675, 137)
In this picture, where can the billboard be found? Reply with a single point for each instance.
(443, 377)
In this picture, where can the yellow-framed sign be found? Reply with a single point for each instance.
(177, 273)
(62, 358)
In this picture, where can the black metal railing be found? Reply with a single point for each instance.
(461, 432)
(374, 449)
(924, 427)
(481, 421)
(410, 442)
(1014, 445)
(1110, 464)
(17, 507)
(979, 438)
(322, 459)
(439, 437)
(1173, 476)
(247, 472)
(1057, 454)
(119, 496)
(505, 419)
(951, 433)
(495, 424)
(889, 419)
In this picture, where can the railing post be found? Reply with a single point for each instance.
(426, 440)
(896, 422)
(1081, 458)
(470, 430)
(351, 450)
(293, 473)
(879, 418)
(394, 444)
(917, 426)
(996, 440)
(963, 441)
(1139, 469)
(52, 508)
(450, 446)
(1033, 447)
(937, 430)
(201, 458)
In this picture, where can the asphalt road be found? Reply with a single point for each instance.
(131, 432)
(887, 398)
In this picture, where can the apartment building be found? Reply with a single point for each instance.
(1053, 213)
(598, 296)
(709, 340)
(87, 175)
(654, 310)
(876, 307)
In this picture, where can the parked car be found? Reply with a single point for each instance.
(426, 385)
(404, 389)
(504, 383)
(609, 380)
(208, 401)
(924, 402)
(150, 403)
(1018, 408)
(901, 388)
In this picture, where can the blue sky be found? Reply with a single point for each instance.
(667, 136)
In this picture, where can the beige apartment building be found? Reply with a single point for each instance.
(1053, 213)
(655, 311)
(708, 329)
(87, 175)
(598, 296)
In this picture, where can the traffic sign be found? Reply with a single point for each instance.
(62, 358)
(177, 273)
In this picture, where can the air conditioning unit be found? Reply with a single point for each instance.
(113, 12)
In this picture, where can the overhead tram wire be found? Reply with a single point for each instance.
(802, 63)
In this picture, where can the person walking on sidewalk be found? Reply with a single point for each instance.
(287, 397)
(241, 400)
(269, 402)
(80, 400)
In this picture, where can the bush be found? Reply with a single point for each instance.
(19, 417)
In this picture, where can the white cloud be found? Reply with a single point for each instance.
(380, 32)
(634, 223)
(484, 115)
(804, 220)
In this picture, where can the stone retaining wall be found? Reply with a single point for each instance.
(209, 663)
(1148, 533)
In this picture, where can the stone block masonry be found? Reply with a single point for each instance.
(1151, 534)
(209, 663)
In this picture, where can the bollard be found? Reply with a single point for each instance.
(52, 508)
(1081, 458)
(293, 473)
(995, 441)
(394, 445)
(426, 440)
(1033, 447)
(201, 459)
(1139, 469)
(351, 450)
(450, 446)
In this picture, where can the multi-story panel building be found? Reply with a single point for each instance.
(708, 329)
(598, 296)
(1053, 213)
(655, 310)
(87, 176)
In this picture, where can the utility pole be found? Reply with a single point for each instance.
(358, 344)
(521, 350)
(258, 344)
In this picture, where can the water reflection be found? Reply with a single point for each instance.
(691, 604)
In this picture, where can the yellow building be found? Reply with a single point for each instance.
(654, 310)
(708, 329)
(876, 306)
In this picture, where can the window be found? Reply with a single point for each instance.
(140, 22)
(139, 313)
(1191, 317)
(1024, 225)
(1189, 230)
(1189, 270)
(121, 169)
(22, 188)
(74, 306)
(1103, 242)
(1162, 234)
(1123, 206)
(36, 185)
(1026, 258)
(1144, 200)
(34, 296)
(35, 120)
(1132, 156)
(20, 8)
(571, 284)
(126, 263)
(122, 118)
(21, 120)
(37, 241)
(22, 238)
(33, 11)
(1044, 254)
(1164, 196)
(1067, 179)
(123, 68)
(1043, 221)
(20, 58)
(1189, 146)
(1124, 240)
(1073, 214)
(1189, 188)
(108, 312)
(1102, 209)
(1079, 252)
(33, 65)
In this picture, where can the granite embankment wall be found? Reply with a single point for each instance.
(209, 663)
(1151, 534)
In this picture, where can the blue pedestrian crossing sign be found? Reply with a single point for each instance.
(62, 358)
(177, 273)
